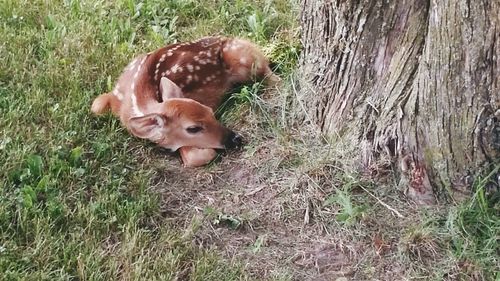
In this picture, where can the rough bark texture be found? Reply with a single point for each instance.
(417, 80)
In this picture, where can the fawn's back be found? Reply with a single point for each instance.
(204, 70)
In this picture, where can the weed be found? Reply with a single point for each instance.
(259, 243)
(348, 213)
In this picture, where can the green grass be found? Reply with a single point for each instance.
(75, 196)
(473, 231)
(80, 199)
(468, 234)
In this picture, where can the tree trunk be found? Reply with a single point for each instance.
(415, 80)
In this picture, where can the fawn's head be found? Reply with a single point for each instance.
(178, 122)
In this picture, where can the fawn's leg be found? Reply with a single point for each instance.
(196, 157)
(104, 102)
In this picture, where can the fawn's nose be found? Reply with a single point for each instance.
(233, 140)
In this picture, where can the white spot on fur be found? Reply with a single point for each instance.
(117, 94)
(135, 108)
(190, 67)
(197, 67)
(157, 70)
(162, 58)
(243, 60)
(175, 68)
(139, 68)
(188, 79)
(142, 61)
(132, 64)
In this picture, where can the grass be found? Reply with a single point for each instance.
(75, 198)
(80, 199)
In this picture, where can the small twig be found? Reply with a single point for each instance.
(255, 190)
(306, 214)
(383, 203)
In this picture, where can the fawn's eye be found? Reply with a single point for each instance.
(194, 129)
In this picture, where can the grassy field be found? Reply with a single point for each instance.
(80, 199)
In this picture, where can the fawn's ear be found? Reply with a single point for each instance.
(169, 89)
(149, 126)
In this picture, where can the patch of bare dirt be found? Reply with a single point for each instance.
(265, 206)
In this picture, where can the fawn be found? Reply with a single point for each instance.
(168, 96)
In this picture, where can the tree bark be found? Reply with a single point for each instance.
(415, 80)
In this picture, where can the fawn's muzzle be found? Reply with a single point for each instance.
(233, 140)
